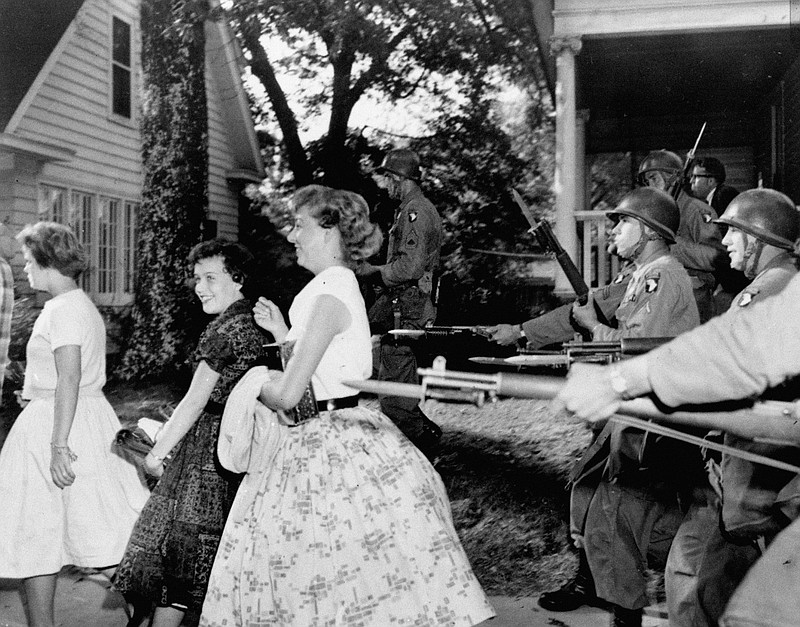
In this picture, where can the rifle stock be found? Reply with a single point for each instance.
(770, 421)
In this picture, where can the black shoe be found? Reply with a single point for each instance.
(571, 596)
(626, 618)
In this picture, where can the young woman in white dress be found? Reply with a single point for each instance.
(346, 523)
(67, 497)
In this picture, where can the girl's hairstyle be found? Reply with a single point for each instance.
(236, 259)
(348, 212)
(54, 245)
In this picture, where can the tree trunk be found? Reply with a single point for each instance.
(262, 70)
(174, 124)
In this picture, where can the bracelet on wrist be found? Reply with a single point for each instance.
(64, 448)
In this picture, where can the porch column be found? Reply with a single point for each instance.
(583, 171)
(566, 172)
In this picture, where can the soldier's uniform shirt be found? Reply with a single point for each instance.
(412, 258)
(556, 325)
(704, 567)
(658, 302)
(699, 248)
(629, 512)
(414, 241)
(698, 243)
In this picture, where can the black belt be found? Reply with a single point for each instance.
(332, 404)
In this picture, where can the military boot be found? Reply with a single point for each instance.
(575, 593)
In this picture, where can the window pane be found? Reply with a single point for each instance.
(107, 246)
(81, 223)
(122, 42)
(121, 96)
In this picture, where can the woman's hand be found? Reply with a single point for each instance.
(61, 458)
(153, 465)
(269, 317)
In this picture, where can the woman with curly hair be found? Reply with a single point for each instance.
(344, 521)
(171, 549)
(68, 499)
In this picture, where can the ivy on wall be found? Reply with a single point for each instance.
(174, 129)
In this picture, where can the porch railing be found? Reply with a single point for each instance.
(596, 265)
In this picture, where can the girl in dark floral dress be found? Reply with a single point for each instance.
(172, 547)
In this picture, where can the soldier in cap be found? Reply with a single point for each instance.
(407, 282)
(698, 245)
(624, 498)
(719, 540)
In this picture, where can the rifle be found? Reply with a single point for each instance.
(676, 190)
(548, 241)
(441, 331)
(774, 422)
(578, 351)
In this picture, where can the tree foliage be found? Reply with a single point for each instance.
(386, 48)
(174, 125)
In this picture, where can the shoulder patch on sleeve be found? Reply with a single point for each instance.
(412, 216)
(707, 217)
(619, 278)
(651, 283)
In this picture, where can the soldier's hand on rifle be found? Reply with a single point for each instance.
(505, 334)
(585, 315)
(589, 393)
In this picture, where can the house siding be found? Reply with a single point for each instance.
(222, 201)
(71, 108)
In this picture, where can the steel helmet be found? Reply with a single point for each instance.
(766, 214)
(401, 162)
(660, 160)
(655, 208)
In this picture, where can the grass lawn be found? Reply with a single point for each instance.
(504, 465)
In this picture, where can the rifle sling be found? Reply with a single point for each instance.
(653, 427)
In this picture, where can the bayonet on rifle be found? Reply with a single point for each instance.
(578, 351)
(676, 191)
(441, 331)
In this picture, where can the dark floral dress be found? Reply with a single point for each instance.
(173, 544)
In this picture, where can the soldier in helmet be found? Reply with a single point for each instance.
(698, 245)
(658, 301)
(407, 282)
(624, 501)
(721, 532)
(716, 543)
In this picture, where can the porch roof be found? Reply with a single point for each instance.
(650, 73)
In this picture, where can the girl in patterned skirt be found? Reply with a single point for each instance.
(345, 522)
(172, 547)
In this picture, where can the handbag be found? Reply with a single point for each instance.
(307, 407)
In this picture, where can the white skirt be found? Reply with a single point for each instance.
(43, 528)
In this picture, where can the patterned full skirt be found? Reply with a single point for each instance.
(348, 524)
